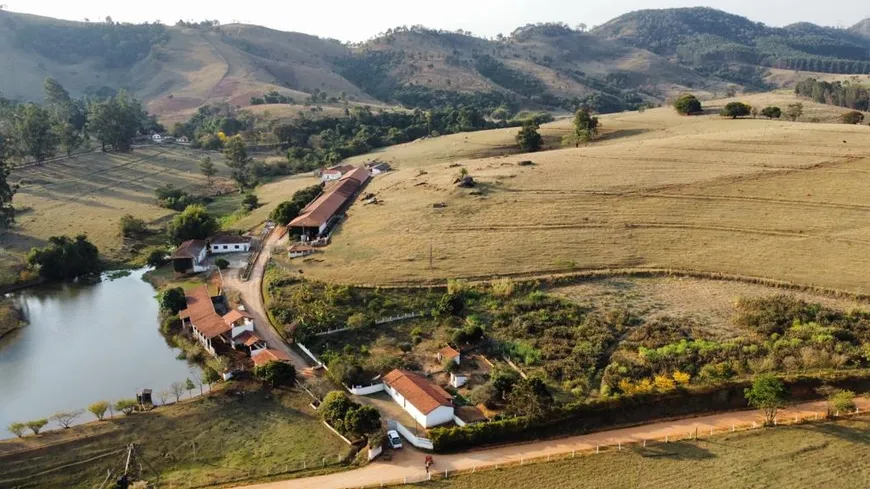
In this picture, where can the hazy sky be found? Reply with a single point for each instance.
(356, 20)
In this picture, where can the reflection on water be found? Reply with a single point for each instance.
(84, 343)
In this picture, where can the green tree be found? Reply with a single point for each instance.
(35, 133)
(17, 429)
(156, 258)
(36, 425)
(530, 397)
(55, 94)
(841, 401)
(334, 408)
(190, 386)
(250, 202)
(276, 373)
(194, 222)
(173, 300)
(66, 418)
(794, 111)
(768, 394)
(772, 112)
(687, 104)
(362, 420)
(210, 376)
(222, 263)
(116, 121)
(285, 212)
(735, 110)
(65, 258)
(236, 155)
(126, 406)
(585, 127)
(68, 137)
(528, 138)
(98, 409)
(852, 117)
(485, 394)
(208, 168)
(503, 381)
(7, 191)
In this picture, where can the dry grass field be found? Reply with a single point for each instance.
(90, 192)
(818, 455)
(748, 197)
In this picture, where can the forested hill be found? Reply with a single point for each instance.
(643, 57)
(701, 36)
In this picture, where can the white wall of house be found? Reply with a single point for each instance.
(246, 325)
(198, 265)
(441, 415)
(326, 177)
(217, 249)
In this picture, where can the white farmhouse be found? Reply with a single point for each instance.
(427, 403)
(228, 243)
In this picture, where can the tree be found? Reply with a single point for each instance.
(126, 406)
(35, 133)
(7, 191)
(17, 429)
(841, 401)
(69, 139)
(65, 258)
(528, 138)
(222, 263)
(164, 395)
(177, 389)
(362, 420)
(132, 226)
(250, 202)
(794, 111)
(207, 168)
(851, 117)
(285, 212)
(687, 104)
(194, 222)
(55, 94)
(754, 112)
(485, 394)
(210, 376)
(116, 120)
(190, 386)
(772, 112)
(66, 418)
(173, 300)
(156, 258)
(768, 394)
(276, 373)
(334, 408)
(36, 425)
(735, 110)
(530, 397)
(585, 126)
(198, 380)
(98, 409)
(503, 380)
(236, 155)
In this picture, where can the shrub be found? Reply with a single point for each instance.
(687, 104)
(99, 409)
(852, 117)
(841, 401)
(156, 258)
(173, 300)
(276, 373)
(250, 202)
(485, 394)
(222, 263)
(17, 429)
(132, 227)
(771, 112)
(36, 425)
(126, 406)
(735, 110)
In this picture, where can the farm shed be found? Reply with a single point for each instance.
(229, 243)
(190, 257)
(315, 218)
(427, 403)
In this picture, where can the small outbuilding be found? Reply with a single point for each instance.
(448, 353)
(267, 355)
(426, 402)
(190, 257)
(300, 250)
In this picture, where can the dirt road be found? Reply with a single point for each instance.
(409, 463)
(251, 292)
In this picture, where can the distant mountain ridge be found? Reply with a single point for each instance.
(641, 57)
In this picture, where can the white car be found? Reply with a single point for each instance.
(395, 440)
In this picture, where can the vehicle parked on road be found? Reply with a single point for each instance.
(395, 439)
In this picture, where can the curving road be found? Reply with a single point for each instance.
(251, 292)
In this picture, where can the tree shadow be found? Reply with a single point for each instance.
(674, 451)
(839, 430)
(621, 133)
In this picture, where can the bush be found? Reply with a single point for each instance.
(65, 258)
(348, 417)
(126, 406)
(173, 198)
(771, 112)
(852, 117)
(687, 104)
(841, 401)
(250, 202)
(99, 409)
(36, 425)
(173, 300)
(132, 227)
(276, 373)
(17, 429)
(735, 110)
(222, 263)
(156, 258)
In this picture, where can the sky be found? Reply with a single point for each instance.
(358, 20)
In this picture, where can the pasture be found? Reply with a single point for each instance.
(748, 197)
(817, 455)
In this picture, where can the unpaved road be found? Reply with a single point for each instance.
(409, 463)
(252, 297)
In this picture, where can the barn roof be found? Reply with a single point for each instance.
(230, 239)
(189, 249)
(200, 311)
(321, 209)
(448, 352)
(421, 393)
(235, 315)
(269, 355)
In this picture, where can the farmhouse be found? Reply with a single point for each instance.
(229, 243)
(315, 219)
(427, 403)
(205, 324)
(267, 355)
(190, 257)
(335, 173)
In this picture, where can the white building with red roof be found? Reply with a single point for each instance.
(426, 402)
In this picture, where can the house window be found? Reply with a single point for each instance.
(237, 246)
(226, 247)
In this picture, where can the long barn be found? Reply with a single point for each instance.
(316, 218)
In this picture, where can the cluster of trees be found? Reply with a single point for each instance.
(65, 258)
(288, 210)
(273, 97)
(194, 222)
(213, 124)
(7, 190)
(348, 417)
(852, 95)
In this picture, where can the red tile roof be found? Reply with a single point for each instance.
(247, 338)
(421, 393)
(200, 311)
(230, 239)
(321, 209)
(340, 168)
(234, 315)
(448, 352)
(268, 355)
(189, 249)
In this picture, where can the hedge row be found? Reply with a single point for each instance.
(595, 415)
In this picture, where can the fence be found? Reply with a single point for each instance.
(359, 390)
(390, 319)
(310, 355)
(589, 450)
(331, 331)
(415, 440)
(257, 245)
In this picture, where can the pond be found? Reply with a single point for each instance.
(84, 343)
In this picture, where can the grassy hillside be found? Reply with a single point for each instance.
(659, 190)
(802, 456)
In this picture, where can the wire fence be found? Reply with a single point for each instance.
(608, 447)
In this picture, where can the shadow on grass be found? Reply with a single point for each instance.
(621, 133)
(849, 432)
(674, 451)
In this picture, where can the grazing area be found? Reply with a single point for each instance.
(815, 455)
(239, 433)
(749, 197)
(90, 192)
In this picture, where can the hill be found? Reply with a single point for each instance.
(659, 191)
